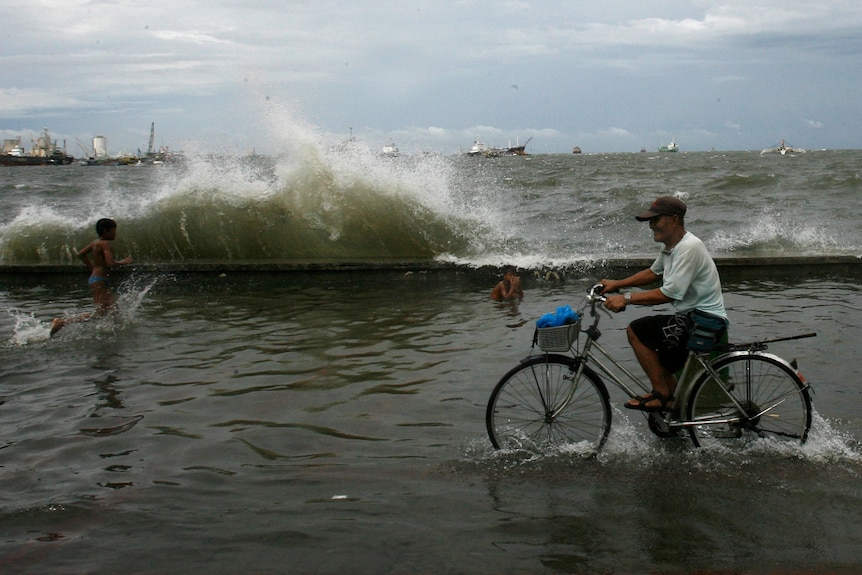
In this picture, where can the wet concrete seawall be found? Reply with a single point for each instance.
(731, 268)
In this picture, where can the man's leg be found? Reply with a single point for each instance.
(662, 380)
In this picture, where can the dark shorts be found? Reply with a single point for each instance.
(666, 334)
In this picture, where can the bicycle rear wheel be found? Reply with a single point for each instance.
(770, 401)
(538, 406)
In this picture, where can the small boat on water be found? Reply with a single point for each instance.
(672, 147)
(782, 149)
(45, 152)
(391, 150)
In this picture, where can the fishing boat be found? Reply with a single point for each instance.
(44, 153)
(782, 149)
(672, 147)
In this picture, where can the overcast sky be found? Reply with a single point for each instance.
(607, 76)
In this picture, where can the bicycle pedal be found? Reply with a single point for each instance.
(660, 426)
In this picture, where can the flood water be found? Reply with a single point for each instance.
(334, 422)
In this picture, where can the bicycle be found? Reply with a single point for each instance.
(727, 393)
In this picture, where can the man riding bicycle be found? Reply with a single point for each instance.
(689, 280)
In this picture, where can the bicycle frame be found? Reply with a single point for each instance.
(593, 354)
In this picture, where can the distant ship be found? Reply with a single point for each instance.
(672, 147)
(516, 150)
(391, 150)
(480, 149)
(44, 153)
(782, 149)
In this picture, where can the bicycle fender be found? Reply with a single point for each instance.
(759, 353)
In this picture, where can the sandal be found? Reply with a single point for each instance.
(653, 395)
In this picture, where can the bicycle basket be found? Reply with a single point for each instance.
(558, 338)
(706, 330)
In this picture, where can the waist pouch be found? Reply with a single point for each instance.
(706, 330)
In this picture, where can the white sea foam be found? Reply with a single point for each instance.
(27, 329)
(630, 444)
(780, 230)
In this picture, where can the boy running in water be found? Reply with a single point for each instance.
(100, 270)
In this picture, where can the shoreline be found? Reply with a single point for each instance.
(798, 265)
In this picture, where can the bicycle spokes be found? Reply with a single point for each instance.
(757, 397)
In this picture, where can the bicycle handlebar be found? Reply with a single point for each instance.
(594, 297)
(593, 294)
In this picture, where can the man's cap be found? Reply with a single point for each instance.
(663, 206)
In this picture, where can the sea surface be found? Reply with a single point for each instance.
(329, 418)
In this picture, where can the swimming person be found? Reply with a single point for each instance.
(509, 287)
(100, 271)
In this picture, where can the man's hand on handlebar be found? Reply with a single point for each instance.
(616, 302)
(608, 286)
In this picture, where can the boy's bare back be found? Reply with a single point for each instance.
(103, 256)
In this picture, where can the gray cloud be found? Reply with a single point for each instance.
(604, 76)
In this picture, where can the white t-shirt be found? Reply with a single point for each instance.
(689, 277)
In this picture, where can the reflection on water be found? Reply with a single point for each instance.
(232, 424)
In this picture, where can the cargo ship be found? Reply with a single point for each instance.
(44, 153)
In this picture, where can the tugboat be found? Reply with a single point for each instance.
(44, 153)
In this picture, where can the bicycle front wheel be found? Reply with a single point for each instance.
(757, 396)
(539, 406)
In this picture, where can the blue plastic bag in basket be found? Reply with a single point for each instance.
(564, 315)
